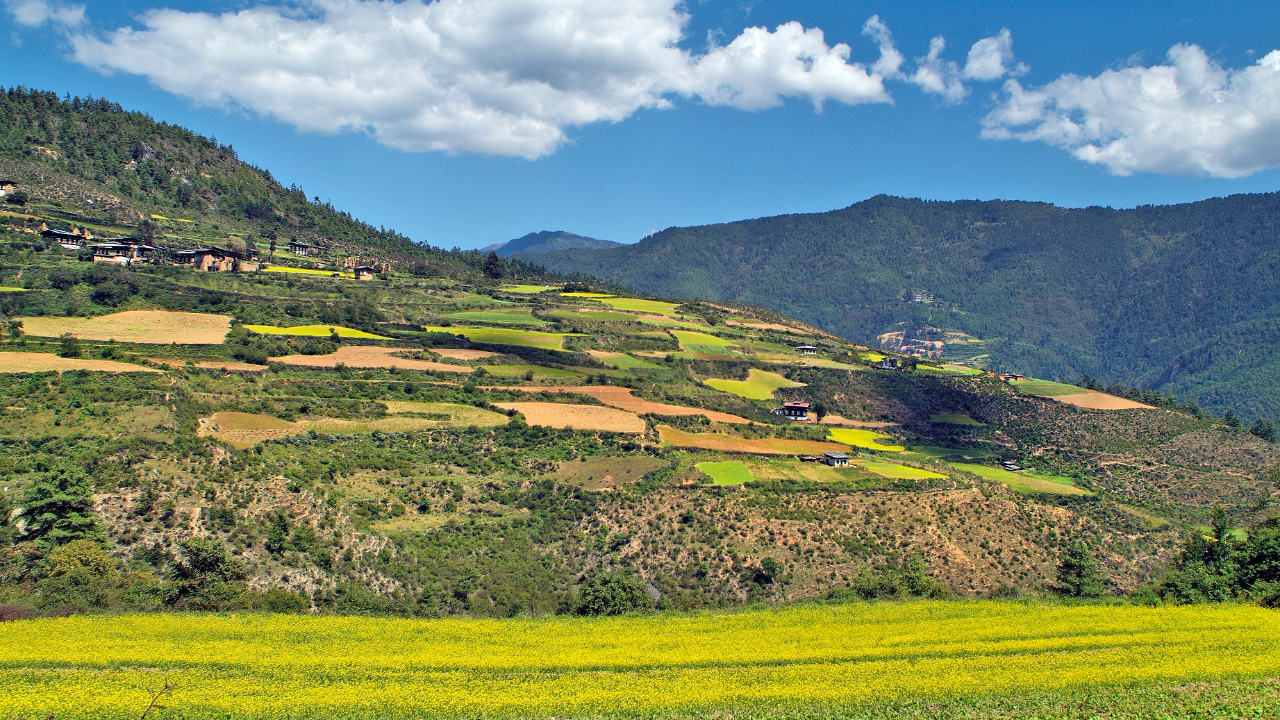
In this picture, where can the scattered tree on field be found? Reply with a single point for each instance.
(70, 346)
(613, 593)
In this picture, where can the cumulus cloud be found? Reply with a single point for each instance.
(34, 13)
(990, 58)
(501, 77)
(1189, 116)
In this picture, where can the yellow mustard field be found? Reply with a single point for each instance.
(820, 657)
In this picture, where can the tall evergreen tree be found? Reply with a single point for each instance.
(59, 510)
(1078, 574)
(493, 266)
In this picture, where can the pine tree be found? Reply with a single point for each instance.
(59, 510)
(493, 266)
(1078, 574)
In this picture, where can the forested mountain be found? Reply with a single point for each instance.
(87, 162)
(548, 241)
(1181, 298)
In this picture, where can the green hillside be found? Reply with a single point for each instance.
(1182, 298)
(87, 163)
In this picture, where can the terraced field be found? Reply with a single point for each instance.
(24, 362)
(368, 356)
(1024, 482)
(314, 331)
(153, 327)
(505, 336)
(671, 437)
(865, 439)
(759, 385)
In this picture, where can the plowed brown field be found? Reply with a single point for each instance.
(462, 354)
(1094, 400)
(621, 397)
(366, 356)
(578, 417)
(20, 362)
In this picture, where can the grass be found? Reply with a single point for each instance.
(726, 473)
(588, 295)
(955, 419)
(528, 289)
(537, 370)
(857, 437)
(516, 316)
(692, 340)
(759, 385)
(1046, 388)
(949, 368)
(314, 331)
(505, 336)
(639, 305)
(601, 472)
(874, 357)
(909, 660)
(899, 472)
(623, 361)
(459, 415)
(592, 316)
(305, 271)
(11, 289)
(1024, 482)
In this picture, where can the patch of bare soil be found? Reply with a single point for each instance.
(622, 398)
(463, 354)
(1094, 400)
(368, 356)
(578, 417)
(21, 362)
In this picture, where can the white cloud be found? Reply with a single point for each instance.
(34, 13)
(501, 77)
(1189, 116)
(937, 76)
(992, 58)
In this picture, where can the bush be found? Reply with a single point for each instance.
(613, 593)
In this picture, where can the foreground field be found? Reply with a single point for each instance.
(855, 660)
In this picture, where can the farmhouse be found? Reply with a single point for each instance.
(795, 411)
(214, 259)
(807, 350)
(887, 364)
(364, 272)
(835, 459)
(124, 251)
(68, 240)
(7, 187)
(301, 248)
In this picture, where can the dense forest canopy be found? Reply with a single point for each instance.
(1182, 297)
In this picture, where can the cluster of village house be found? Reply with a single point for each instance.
(129, 251)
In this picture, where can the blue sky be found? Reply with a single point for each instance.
(631, 135)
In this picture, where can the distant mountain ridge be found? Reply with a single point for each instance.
(1182, 298)
(548, 241)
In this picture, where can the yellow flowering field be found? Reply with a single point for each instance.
(797, 660)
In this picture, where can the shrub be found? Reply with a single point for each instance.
(613, 593)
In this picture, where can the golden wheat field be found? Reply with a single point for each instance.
(815, 659)
(582, 417)
(25, 362)
(156, 327)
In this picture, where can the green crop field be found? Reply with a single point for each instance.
(858, 437)
(516, 315)
(759, 385)
(1046, 388)
(726, 473)
(505, 336)
(623, 361)
(636, 304)
(701, 342)
(314, 331)
(537, 370)
(306, 271)
(1024, 482)
(955, 419)
(858, 660)
(899, 472)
